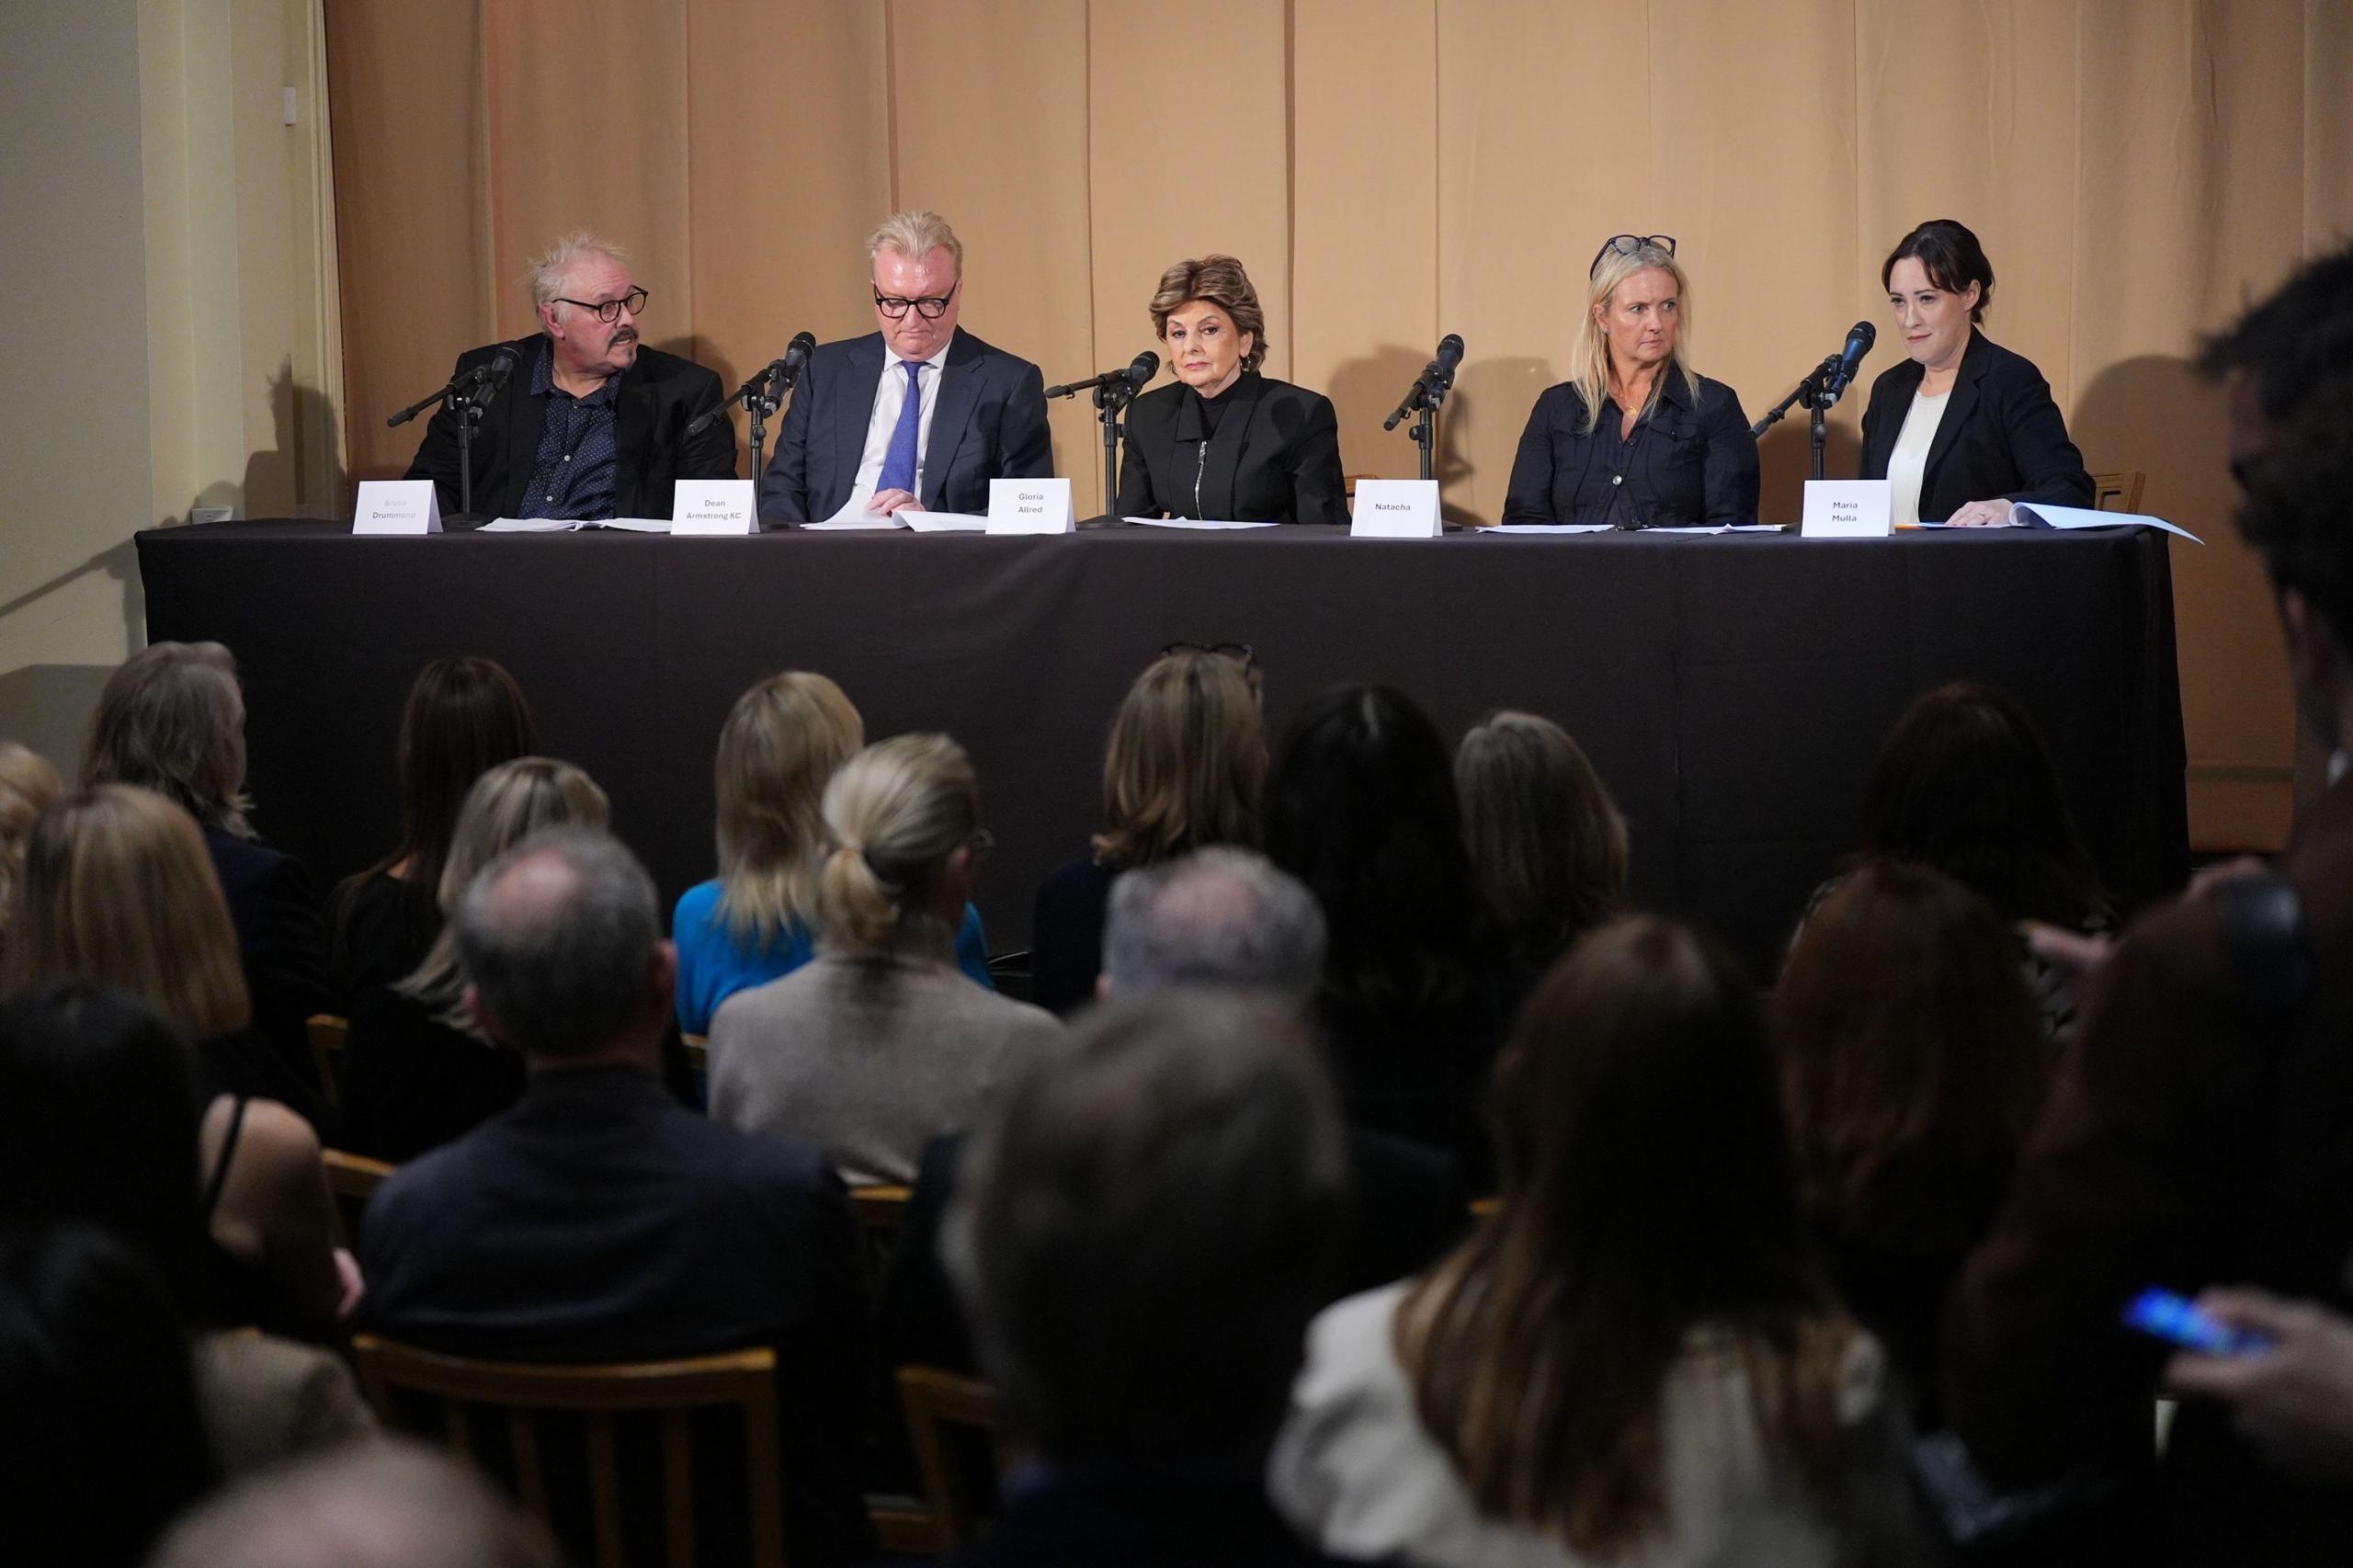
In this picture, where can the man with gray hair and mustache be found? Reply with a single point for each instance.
(589, 423)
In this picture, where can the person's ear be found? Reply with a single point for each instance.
(473, 1003)
(548, 321)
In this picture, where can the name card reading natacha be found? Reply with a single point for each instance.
(1848, 508)
(1396, 508)
(713, 506)
(397, 506)
(1031, 506)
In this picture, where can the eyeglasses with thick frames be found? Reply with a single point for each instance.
(610, 310)
(1627, 245)
(931, 307)
(1242, 651)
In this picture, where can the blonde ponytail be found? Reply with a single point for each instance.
(895, 813)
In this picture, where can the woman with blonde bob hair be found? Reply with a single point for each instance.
(1635, 438)
(1227, 442)
(117, 891)
(27, 785)
(1547, 843)
(877, 1046)
(756, 921)
(1186, 767)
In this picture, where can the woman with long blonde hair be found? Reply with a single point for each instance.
(1635, 438)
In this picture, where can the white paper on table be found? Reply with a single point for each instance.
(2040, 515)
(942, 522)
(876, 520)
(1722, 528)
(1194, 523)
(573, 525)
(1544, 529)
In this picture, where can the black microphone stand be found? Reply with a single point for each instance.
(464, 396)
(1814, 392)
(1111, 400)
(1428, 392)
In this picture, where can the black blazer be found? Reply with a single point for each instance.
(989, 422)
(1695, 464)
(659, 396)
(1275, 457)
(282, 940)
(2001, 438)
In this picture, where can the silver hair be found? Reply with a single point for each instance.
(1220, 916)
(916, 235)
(562, 975)
(550, 273)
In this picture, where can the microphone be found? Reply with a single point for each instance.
(1140, 370)
(777, 375)
(796, 358)
(1859, 339)
(1436, 380)
(500, 366)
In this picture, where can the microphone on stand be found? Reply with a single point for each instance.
(1142, 368)
(1859, 338)
(1437, 377)
(795, 360)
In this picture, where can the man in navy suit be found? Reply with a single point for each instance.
(915, 413)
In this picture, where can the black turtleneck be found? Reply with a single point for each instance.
(1214, 408)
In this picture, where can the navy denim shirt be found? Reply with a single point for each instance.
(1685, 465)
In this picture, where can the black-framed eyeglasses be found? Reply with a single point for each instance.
(1242, 651)
(610, 310)
(1627, 245)
(931, 307)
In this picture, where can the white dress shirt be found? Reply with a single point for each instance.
(1907, 466)
(890, 397)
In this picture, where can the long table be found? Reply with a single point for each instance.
(1730, 690)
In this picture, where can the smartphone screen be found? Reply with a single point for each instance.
(2175, 1318)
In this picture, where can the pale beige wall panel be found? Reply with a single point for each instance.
(2328, 123)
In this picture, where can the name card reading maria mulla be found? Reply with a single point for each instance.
(1847, 508)
(1031, 506)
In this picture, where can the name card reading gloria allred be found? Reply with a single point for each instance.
(1396, 508)
(713, 506)
(397, 506)
(1031, 506)
(1848, 508)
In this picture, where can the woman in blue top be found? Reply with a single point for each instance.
(754, 922)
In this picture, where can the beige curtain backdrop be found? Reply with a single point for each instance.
(1391, 170)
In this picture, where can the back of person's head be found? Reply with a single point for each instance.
(28, 787)
(1963, 783)
(171, 718)
(382, 1505)
(1913, 1061)
(1144, 1225)
(1546, 841)
(506, 805)
(1362, 810)
(99, 1122)
(2294, 340)
(2303, 529)
(1220, 916)
(1188, 760)
(559, 938)
(783, 740)
(896, 814)
(118, 889)
(463, 717)
(1647, 1192)
(98, 1425)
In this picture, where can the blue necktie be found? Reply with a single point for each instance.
(899, 460)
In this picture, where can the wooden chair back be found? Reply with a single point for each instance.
(328, 1035)
(2118, 492)
(938, 1404)
(353, 1179)
(400, 1377)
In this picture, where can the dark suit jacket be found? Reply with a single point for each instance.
(659, 396)
(2001, 437)
(989, 422)
(1275, 457)
(1696, 462)
(2193, 1138)
(281, 938)
(597, 1220)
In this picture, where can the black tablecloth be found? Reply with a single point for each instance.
(1732, 689)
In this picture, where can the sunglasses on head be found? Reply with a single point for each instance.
(1628, 244)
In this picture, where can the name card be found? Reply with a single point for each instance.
(713, 506)
(1848, 508)
(397, 506)
(1031, 506)
(1396, 508)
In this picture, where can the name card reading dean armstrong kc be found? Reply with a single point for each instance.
(1847, 508)
(1396, 508)
(1031, 506)
(713, 506)
(397, 506)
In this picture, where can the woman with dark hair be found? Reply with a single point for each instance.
(1913, 1065)
(463, 717)
(1546, 841)
(1361, 808)
(1962, 427)
(1635, 1357)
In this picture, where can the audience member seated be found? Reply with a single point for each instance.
(1964, 784)
(98, 1407)
(99, 1124)
(391, 1504)
(2196, 1132)
(1149, 1215)
(418, 1069)
(757, 920)
(1416, 998)
(879, 1045)
(463, 717)
(171, 718)
(598, 1221)
(1186, 766)
(117, 892)
(1547, 843)
(1223, 918)
(1912, 1066)
(28, 786)
(1635, 1358)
